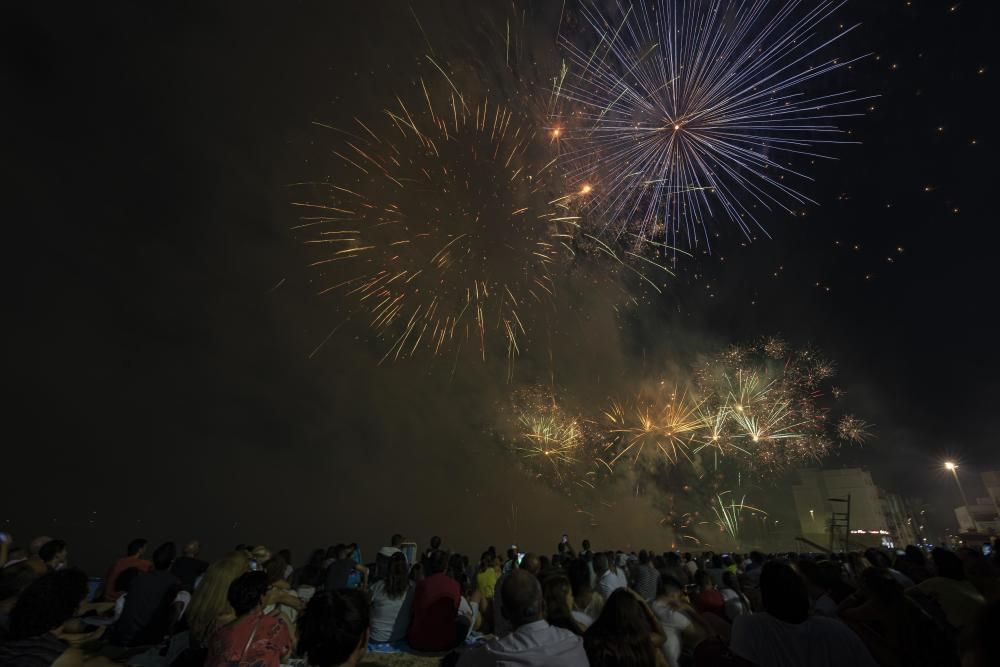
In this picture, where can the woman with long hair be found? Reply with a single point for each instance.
(626, 634)
(390, 607)
(558, 595)
(210, 607)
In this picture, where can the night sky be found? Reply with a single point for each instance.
(163, 313)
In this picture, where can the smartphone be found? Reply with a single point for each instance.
(987, 549)
(4, 538)
(520, 557)
(565, 538)
(253, 565)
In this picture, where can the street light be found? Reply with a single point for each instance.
(953, 467)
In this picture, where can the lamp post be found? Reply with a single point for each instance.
(953, 467)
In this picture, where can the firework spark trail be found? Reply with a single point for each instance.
(853, 429)
(448, 227)
(687, 105)
(652, 428)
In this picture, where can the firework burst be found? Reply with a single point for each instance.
(448, 225)
(691, 109)
(853, 429)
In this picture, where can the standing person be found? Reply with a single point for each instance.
(709, 599)
(678, 620)
(188, 568)
(253, 638)
(340, 570)
(784, 635)
(392, 598)
(585, 599)
(626, 634)
(149, 609)
(646, 577)
(486, 577)
(585, 551)
(133, 559)
(559, 612)
(735, 602)
(957, 597)
(690, 566)
(607, 581)
(533, 642)
(435, 608)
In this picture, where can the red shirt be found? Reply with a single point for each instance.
(125, 562)
(435, 608)
(710, 601)
(257, 639)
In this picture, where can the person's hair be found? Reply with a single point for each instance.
(210, 597)
(456, 566)
(623, 635)
(586, 545)
(397, 579)
(246, 591)
(136, 545)
(437, 562)
(416, 572)
(164, 555)
(703, 579)
(344, 552)
(47, 603)
(579, 576)
(783, 592)
(914, 554)
(756, 557)
(948, 564)
(435, 543)
(396, 540)
(485, 561)
(879, 584)
(522, 598)
(286, 556)
(600, 563)
(716, 561)
(666, 585)
(332, 627)
(51, 549)
(643, 557)
(275, 569)
(531, 563)
(557, 611)
(334, 551)
(123, 582)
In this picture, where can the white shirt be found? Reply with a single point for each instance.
(536, 643)
(735, 606)
(691, 567)
(816, 642)
(673, 623)
(608, 583)
(583, 618)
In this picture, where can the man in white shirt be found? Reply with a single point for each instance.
(607, 581)
(533, 641)
(784, 635)
(690, 565)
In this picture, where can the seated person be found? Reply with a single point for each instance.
(149, 611)
(626, 633)
(435, 608)
(391, 600)
(254, 638)
(533, 641)
(37, 636)
(785, 635)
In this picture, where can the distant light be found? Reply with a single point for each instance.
(950, 465)
(585, 189)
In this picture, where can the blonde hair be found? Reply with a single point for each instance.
(210, 598)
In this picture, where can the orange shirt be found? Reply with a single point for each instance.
(122, 564)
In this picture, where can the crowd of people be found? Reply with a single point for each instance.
(254, 608)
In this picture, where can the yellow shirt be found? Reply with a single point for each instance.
(486, 582)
